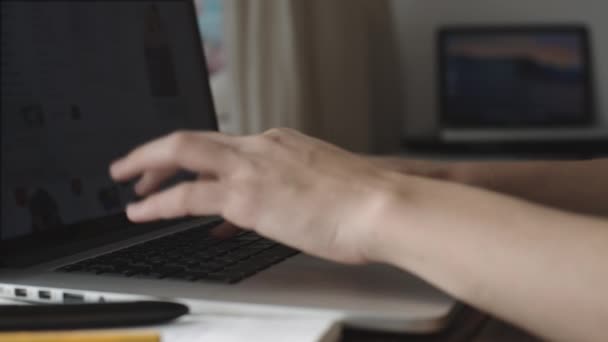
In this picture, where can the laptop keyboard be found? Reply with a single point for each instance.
(191, 255)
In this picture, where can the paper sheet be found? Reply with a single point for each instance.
(238, 329)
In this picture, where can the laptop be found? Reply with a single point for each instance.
(82, 84)
(517, 83)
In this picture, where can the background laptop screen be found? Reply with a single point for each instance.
(518, 76)
(83, 83)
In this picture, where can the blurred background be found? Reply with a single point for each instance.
(373, 76)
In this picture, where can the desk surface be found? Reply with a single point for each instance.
(496, 331)
(470, 326)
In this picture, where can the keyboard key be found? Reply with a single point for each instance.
(72, 268)
(167, 270)
(221, 277)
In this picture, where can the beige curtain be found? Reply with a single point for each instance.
(304, 64)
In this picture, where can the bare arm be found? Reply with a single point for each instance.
(539, 268)
(569, 185)
(536, 267)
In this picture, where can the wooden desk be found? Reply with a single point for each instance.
(469, 326)
(465, 327)
(497, 331)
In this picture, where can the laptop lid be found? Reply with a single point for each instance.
(82, 84)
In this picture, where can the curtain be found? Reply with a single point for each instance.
(304, 64)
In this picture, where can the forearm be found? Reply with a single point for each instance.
(536, 267)
(426, 168)
(575, 186)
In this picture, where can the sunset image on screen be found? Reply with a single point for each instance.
(514, 78)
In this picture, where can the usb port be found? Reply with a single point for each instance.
(21, 292)
(46, 295)
(70, 298)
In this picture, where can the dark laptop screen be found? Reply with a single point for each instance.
(83, 82)
(499, 77)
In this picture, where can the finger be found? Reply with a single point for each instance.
(152, 180)
(226, 230)
(196, 152)
(184, 199)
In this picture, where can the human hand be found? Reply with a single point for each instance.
(284, 185)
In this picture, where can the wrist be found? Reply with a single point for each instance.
(385, 226)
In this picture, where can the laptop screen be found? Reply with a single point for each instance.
(82, 84)
(515, 77)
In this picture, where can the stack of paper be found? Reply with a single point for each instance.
(238, 329)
